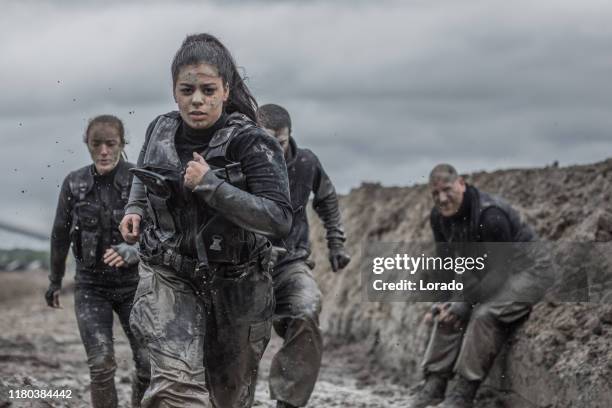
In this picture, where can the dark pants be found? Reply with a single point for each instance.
(295, 367)
(203, 337)
(94, 308)
(472, 348)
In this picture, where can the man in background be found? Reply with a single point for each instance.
(468, 333)
(295, 367)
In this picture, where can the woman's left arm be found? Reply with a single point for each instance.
(265, 207)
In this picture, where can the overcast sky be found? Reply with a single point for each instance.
(381, 91)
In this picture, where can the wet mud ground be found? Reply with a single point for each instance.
(40, 349)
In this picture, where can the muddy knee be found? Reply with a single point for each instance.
(291, 327)
(102, 367)
(482, 318)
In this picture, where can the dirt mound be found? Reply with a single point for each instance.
(559, 358)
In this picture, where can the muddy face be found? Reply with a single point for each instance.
(105, 146)
(447, 195)
(200, 93)
(282, 135)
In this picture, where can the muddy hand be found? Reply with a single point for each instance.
(195, 171)
(112, 258)
(338, 258)
(52, 297)
(432, 313)
(130, 228)
(447, 317)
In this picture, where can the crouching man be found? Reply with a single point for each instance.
(467, 334)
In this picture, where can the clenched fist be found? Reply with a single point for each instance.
(195, 171)
(130, 228)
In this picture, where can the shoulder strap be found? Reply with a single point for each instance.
(81, 182)
(123, 178)
(235, 124)
(161, 142)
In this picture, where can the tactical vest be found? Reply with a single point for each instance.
(90, 219)
(521, 232)
(479, 202)
(218, 240)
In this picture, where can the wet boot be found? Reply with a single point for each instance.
(432, 392)
(139, 386)
(281, 404)
(462, 394)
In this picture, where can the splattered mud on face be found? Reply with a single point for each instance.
(200, 93)
(105, 146)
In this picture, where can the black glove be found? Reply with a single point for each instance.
(53, 287)
(338, 258)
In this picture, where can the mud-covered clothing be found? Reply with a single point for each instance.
(471, 349)
(306, 176)
(487, 220)
(243, 215)
(205, 344)
(295, 367)
(190, 140)
(482, 217)
(89, 211)
(94, 307)
(207, 327)
(492, 223)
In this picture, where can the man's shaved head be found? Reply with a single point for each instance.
(443, 172)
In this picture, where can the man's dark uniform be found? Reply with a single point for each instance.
(296, 366)
(89, 211)
(471, 349)
(205, 300)
(492, 302)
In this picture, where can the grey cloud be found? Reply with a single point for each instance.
(380, 91)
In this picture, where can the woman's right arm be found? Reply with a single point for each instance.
(60, 235)
(137, 202)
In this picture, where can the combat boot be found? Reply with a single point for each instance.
(461, 394)
(432, 392)
(282, 404)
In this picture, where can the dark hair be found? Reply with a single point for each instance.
(206, 48)
(273, 117)
(108, 120)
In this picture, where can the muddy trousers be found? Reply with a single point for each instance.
(295, 367)
(471, 349)
(94, 308)
(205, 340)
